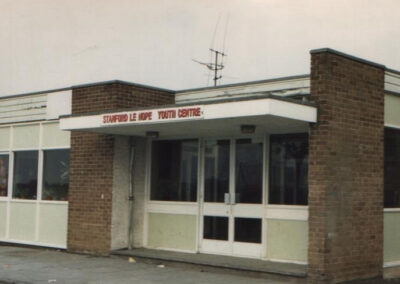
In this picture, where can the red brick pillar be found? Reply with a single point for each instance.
(91, 162)
(346, 169)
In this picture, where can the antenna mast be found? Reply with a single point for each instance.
(217, 66)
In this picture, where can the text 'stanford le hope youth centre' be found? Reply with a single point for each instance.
(303, 171)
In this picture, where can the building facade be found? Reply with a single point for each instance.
(301, 170)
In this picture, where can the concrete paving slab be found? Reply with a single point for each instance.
(38, 266)
(228, 262)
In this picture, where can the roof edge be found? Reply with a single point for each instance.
(267, 96)
(351, 57)
(36, 93)
(123, 83)
(245, 83)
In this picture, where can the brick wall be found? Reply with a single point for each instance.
(91, 163)
(345, 169)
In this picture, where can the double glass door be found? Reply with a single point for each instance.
(232, 203)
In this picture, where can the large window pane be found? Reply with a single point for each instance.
(288, 169)
(55, 175)
(248, 173)
(392, 168)
(25, 174)
(3, 175)
(216, 170)
(174, 170)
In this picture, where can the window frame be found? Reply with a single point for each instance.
(394, 208)
(43, 173)
(9, 182)
(269, 181)
(148, 181)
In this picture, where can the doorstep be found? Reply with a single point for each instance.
(220, 261)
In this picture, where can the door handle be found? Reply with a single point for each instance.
(230, 199)
(233, 198)
(227, 199)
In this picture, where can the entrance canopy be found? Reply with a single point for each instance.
(211, 119)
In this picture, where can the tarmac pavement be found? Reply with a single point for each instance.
(24, 265)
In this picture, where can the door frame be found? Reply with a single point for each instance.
(230, 247)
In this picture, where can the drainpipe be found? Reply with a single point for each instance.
(130, 196)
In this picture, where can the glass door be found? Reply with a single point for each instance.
(232, 197)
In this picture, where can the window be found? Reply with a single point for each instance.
(55, 175)
(248, 171)
(216, 170)
(174, 170)
(288, 169)
(3, 175)
(25, 175)
(392, 168)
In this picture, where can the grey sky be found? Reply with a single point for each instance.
(49, 44)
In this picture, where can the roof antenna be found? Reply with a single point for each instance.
(218, 63)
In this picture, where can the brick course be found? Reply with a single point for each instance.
(91, 164)
(345, 170)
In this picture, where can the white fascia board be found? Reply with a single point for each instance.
(80, 122)
(259, 107)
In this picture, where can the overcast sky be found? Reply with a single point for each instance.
(46, 44)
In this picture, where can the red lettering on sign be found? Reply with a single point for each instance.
(145, 115)
(115, 118)
(132, 116)
(166, 114)
(189, 112)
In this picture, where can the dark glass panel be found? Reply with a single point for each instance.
(25, 175)
(288, 169)
(249, 166)
(248, 230)
(215, 228)
(3, 175)
(55, 175)
(216, 170)
(174, 170)
(392, 168)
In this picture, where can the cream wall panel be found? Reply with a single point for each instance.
(22, 221)
(287, 240)
(54, 137)
(53, 224)
(3, 218)
(172, 231)
(26, 136)
(391, 236)
(392, 110)
(4, 138)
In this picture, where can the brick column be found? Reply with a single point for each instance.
(346, 169)
(91, 162)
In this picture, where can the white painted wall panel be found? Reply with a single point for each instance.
(53, 221)
(26, 136)
(23, 220)
(4, 138)
(54, 137)
(58, 103)
(3, 218)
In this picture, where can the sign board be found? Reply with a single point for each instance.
(153, 115)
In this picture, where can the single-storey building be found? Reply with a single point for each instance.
(302, 170)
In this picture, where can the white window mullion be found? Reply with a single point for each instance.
(200, 193)
(10, 191)
(39, 182)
